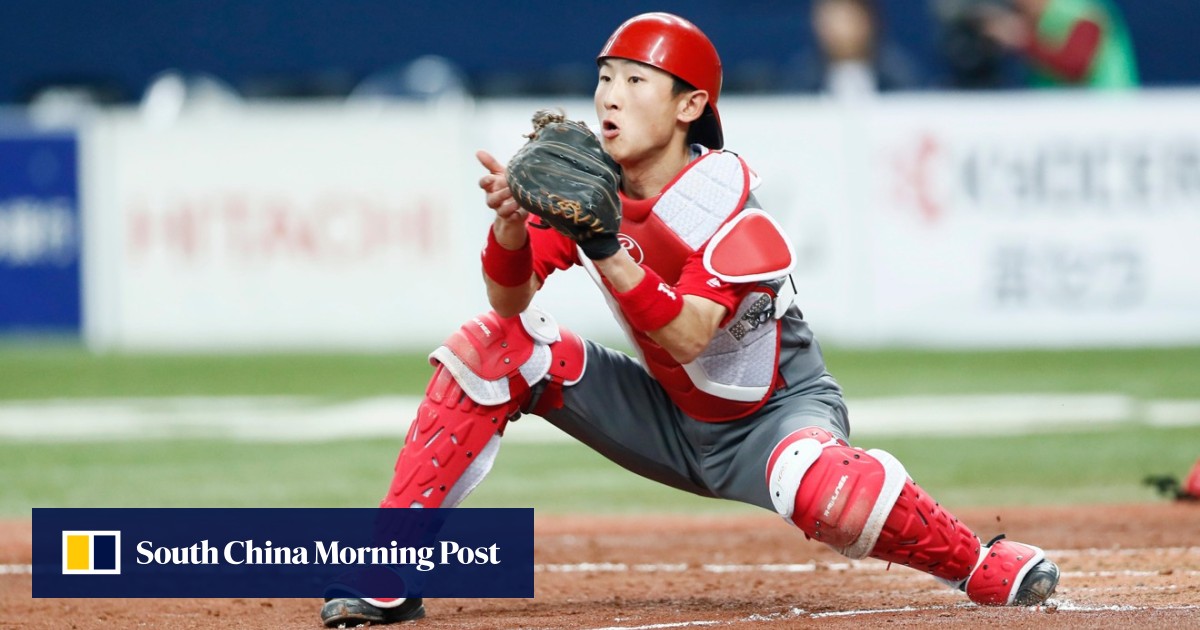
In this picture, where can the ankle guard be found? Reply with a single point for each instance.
(1001, 571)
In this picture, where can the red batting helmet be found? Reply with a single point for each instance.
(674, 45)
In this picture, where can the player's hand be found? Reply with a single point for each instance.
(495, 186)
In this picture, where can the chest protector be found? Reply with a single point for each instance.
(702, 216)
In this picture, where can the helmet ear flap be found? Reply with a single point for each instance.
(676, 46)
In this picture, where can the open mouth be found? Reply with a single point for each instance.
(609, 129)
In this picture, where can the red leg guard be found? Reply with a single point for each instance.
(920, 534)
(484, 377)
(449, 433)
(863, 503)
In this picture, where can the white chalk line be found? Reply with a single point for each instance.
(619, 567)
(812, 567)
(656, 626)
(1127, 573)
(1058, 605)
(874, 566)
(25, 569)
(1070, 606)
(874, 611)
(868, 565)
(1124, 551)
(1123, 588)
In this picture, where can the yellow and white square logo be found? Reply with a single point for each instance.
(91, 553)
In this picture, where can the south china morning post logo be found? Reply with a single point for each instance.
(91, 552)
(267, 553)
(281, 552)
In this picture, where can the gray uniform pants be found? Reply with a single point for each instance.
(618, 410)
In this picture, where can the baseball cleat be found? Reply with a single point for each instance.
(1038, 584)
(350, 612)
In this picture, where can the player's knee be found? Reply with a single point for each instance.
(497, 360)
(484, 378)
(835, 494)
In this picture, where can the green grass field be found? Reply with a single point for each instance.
(65, 370)
(1104, 465)
(1095, 467)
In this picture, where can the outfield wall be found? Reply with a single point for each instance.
(951, 221)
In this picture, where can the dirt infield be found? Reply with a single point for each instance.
(1123, 566)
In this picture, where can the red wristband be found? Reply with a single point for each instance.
(507, 267)
(650, 305)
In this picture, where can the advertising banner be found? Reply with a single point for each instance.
(1004, 220)
(278, 228)
(39, 232)
(1069, 221)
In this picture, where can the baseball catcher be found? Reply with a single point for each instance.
(729, 396)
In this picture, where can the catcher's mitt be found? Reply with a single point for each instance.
(564, 176)
(1169, 485)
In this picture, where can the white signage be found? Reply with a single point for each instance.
(290, 228)
(940, 220)
(1064, 221)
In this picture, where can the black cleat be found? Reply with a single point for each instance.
(349, 612)
(1038, 584)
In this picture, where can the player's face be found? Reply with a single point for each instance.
(637, 111)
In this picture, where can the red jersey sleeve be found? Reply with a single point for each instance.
(696, 280)
(551, 250)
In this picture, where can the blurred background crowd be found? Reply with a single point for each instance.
(65, 51)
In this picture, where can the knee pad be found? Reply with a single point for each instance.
(483, 378)
(835, 494)
(862, 503)
(497, 360)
